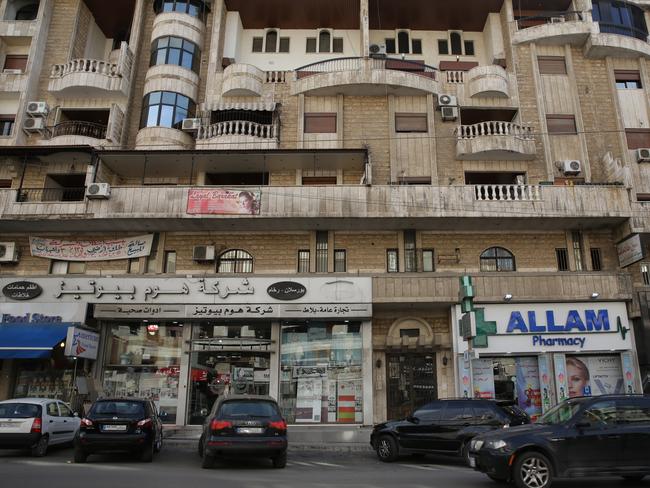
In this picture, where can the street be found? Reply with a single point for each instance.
(180, 467)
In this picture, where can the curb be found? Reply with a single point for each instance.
(191, 444)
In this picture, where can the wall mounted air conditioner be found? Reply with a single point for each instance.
(377, 50)
(34, 125)
(8, 252)
(643, 155)
(98, 190)
(449, 113)
(571, 167)
(447, 101)
(37, 109)
(203, 253)
(191, 125)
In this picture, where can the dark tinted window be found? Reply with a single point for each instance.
(456, 412)
(600, 413)
(484, 412)
(119, 409)
(19, 411)
(247, 409)
(511, 411)
(431, 411)
(634, 411)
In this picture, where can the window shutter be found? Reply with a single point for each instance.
(627, 75)
(16, 62)
(561, 124)
(552, 65)
(410, 122)
(318, 122)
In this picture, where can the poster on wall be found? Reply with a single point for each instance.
(464, 378)
(545, 382)
(308, 400)
(628, 372)
(91, 250)
(528, 387)
(346, 399)
(331, 401)
(218, 201)
(483, 373)
(561, 384)
(594, 375)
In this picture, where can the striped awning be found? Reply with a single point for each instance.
(252, 106)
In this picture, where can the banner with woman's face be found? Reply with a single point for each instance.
(594, 375)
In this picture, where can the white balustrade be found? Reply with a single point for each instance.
(238, 128)
(508, 193)
(494, 128)
(276, 76)
(82, 65)
(455, 77)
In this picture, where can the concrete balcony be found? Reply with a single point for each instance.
(13, 82)
(495, 140)
(366, 77)
(341, 207)
(18, 28)
(92, 77)
(238, 134)
(163, 138)
(614, 41)
(557, 29)
(77, 133)
(488, 81)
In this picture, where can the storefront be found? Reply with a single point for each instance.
(542, 354)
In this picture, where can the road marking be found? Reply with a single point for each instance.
(415, 466)
(330, 465)
(105, 467)
(301, 463)
(448, 467)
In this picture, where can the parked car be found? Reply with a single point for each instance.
(443, 427)
(588, 436)
(35, 424)
(120, 424)
(244, 426)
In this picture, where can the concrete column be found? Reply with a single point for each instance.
(580, 126)
(183, 383)
(216, 45)
(395, 166)
(431, 122)
(339, 122)
(274, 386)
(400, 251)
(379, 386)
(301, 122)
(137, 28)
(364, 27)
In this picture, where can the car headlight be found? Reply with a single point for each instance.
(496, 444)
(476, 445)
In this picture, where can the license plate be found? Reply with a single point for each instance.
(7, 424)
(250, 430)
(472, 462)
(114, 428)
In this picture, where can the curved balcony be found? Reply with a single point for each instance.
(77, 133)
(179, 25)
(557, 29)
(242, 80)
(488, 81)
(93, 77)
(496, 140)
(169, 77)
(366, 76)
(163, 138)
(616, 42)
(238, 134)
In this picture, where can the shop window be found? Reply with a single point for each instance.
(562, 257)
(176, 51)
(311, 45)
(16, 62)
(576, 240)
(7, 123)
(411, 122)
(561, 124)
(258, 44)
(645, 274)
(443, 46)
(596, 262)
(67, 267)
(322, 238)
(340, 261)
(320, 123)
(170, 262)
(551, 65)
(455, 41)
(497, 259)
(628, 79)
(324, 40)
(271, 41)
(166, 109)
(303, 261)
(235, 261)
(392, 261)
(321, 372)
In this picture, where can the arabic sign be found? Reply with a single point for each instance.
(630, 251)
(127, 248)
(217, 201)
(81, 343)
(286, 290)
(22, 290)
(42, 313)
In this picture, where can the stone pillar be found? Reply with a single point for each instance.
(364, 27)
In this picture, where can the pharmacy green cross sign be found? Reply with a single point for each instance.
(472, 324)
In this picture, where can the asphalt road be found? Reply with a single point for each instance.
(180, 468)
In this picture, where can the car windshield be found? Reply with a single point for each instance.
(19, 410)
(118, 409)
(248, 409)
(561, 412)
(513, 411)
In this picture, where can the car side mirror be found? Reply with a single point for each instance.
(76, 414)
(412, 419)
(204, 412)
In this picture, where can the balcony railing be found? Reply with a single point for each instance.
(508, 193)
(114, 70)
(623, 30)
(276, 76)
(455, 77)
(494, 128)
(549, 18)
(357, 64)
(60, 194)
(238, 128)
(79, 128)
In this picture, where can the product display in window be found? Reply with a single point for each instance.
(44, 384)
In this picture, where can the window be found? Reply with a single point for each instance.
(390, 46)
(576, 239)
(634, 411)
(311, 45)
(456, 43)
(411, 122)
(195, 8)
(176, 51)
(340, 264)
(271, 44)
(561, 124)
(65, 411)
(428, 264)
(410, 261)
(133, 266)
(551, 65)
(5, 183)
(284, 45)
(337, 45)
(165, 109)
(469, 48)
(497, 259)
(392, 261)
(620, 18)
(67, 267)
(321, 251)
(318, 180)
(645, 274)
(258, 44)
(443, 46)
(28, 12)
(320, 123)
(403, 42)
(430, 412)
(409, 332)
(303, 261)
(170, 262)
(484, 412)
(562, 259)
(416, 46)
(456, 412)
(600, 413)
(16, 61)
(628, 79)
(235, 261)
(324, 40)
(52, 409)
(596, 263)
(6, 125)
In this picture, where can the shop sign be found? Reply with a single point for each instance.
(92, 250)
(217, 201)
(81, 343)
(286, 290)
(630, 251)
(42, 313)
(22, 290)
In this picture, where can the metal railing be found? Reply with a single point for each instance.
(549, 18)
(238, 128)
(623, 30)
(357, 64)
(79, 128)
(508, 193)
(494, 128)
(60, 194)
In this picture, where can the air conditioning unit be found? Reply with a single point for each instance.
(377, 50)
(8, 252)
(571, 167)
(203, 253)
(643, 155)
(37, 109)
(98, 190)
(34, 125)
(557, 20)
(449, 113)
(11, 71)
(447, 101)
(191, 125)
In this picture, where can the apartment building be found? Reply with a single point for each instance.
(208, 196)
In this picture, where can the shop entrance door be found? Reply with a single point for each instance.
(411, 381)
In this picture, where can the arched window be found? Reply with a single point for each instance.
(403, 43)
(497, 259)
(271, 41)
(235, 261)
(456, 43)
(28, 12)
(324, 41)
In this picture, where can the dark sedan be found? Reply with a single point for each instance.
(589, 436)
(128, 424)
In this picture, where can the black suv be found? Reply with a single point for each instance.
(119, 424)
(443, 427)
(588, 436)
(244, 425)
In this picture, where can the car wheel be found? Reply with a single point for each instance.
(533, 470)
(147, 453)
(387, 449)
(80, 455)
(40, 448)
(502, 481)
(634, 477)
(158, 445)
(207, 462)
(280, 461)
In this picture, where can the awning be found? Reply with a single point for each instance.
(253, 106)
(30, 341)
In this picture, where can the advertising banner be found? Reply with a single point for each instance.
(630, 251)
(528, 388)
(464, 378)
(308, 400)
(103, 250)
(483, 378)
(81, 343)
(218, 201)
(594, 375)
(543, 362)
(628, 372)
(561, 384)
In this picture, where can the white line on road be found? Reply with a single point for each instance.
(301, 463)
(104, 467)
(330, 465)
(415, 466)
(448, 467)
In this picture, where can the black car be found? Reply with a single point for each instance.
(246, 426)
(443, 427)
(587, 436)
(120, 424)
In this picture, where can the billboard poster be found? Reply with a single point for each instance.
(346, 401)
(308, 400)
(594, 375)
(528, 387)
(483, 373)
(561, 383)
(464, 378)
(630, 251)
(91, 250)
(628, 372)
(219, 201)
(545, 382)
